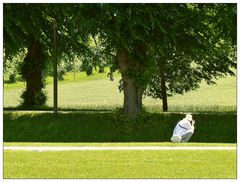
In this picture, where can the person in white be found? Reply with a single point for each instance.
(183, 130)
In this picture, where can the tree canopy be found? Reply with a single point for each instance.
(160, 49)
(187, 42)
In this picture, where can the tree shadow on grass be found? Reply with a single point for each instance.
(100, 126)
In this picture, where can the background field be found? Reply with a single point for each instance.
(98, 92)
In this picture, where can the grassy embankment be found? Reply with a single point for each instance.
(106, 127)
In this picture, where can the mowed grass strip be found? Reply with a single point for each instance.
(120, 164)
(117, 144)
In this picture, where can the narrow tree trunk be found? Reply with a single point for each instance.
(164, 89)
(132, 103)
(101, 69)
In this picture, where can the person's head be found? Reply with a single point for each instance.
(189, 117)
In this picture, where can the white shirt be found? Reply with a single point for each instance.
(182, 126)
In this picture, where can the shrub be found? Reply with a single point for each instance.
(12, 78)
(129, 124)
(33, 99)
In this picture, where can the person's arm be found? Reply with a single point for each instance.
(185, 124)
(193, 124)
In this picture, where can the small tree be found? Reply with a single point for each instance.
(209, 53)
(11, 66)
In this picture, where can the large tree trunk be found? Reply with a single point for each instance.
(32, 72)
(132, 103)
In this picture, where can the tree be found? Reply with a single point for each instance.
(151, 40)
(208, 56)
(121, 30)
(23, 28)
(29, 26)
(144, 41)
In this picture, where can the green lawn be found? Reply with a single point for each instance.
(98, 92)
(101, 129)
(120, 164)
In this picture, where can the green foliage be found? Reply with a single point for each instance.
(65, 65)
(40, 98)
(61, 69)
(20, 21)
(11, 66)
(129, 124)
(12, 78)
(30, 67)
(87, 65)
(25, 26)
(199, 50)
(23, 20)
(180, 76)
(190, 42)
(185, 40)
(95, 57)
(30, 100)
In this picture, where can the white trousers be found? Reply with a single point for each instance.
(184, 137)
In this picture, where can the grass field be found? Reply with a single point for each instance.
(214, 107)
(98, 92)
(120, 164)
(71, 128)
